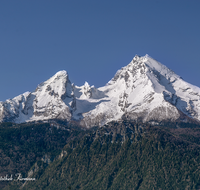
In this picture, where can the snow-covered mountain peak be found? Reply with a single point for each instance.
(59, 76)
(147, 61)
(143, 67)
(56, 85)
(60, 73)
(139, 59)
(144, 90)
(86, 85)
(134, 70)
(136, 58)
(145, 87)
(83, 92)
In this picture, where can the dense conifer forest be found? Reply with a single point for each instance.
(119, 155)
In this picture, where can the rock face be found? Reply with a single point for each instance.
(144, 90)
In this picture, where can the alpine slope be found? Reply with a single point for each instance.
(144, 90)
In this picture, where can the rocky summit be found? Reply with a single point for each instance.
(144, 90)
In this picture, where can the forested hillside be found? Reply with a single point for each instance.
(120, 155)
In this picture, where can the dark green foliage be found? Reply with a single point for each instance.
(126, 155)
(22, 145)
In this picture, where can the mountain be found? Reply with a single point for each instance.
(120, 155)
(144, 90)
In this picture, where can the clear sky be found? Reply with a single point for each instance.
(92, 39)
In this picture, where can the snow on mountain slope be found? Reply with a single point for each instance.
(52, 99)
(135, 92)
(144, 90)
(11, 108)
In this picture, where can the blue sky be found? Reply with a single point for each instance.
(91, 40)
